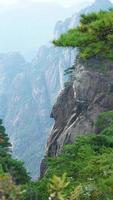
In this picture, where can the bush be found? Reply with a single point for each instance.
(103, 121)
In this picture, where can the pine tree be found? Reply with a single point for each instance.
(9, 165)
(93, 37)
(4, 139)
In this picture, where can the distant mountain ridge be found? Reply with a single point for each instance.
(23, 25)
(28, 91)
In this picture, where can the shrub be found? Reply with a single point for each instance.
(103, 121)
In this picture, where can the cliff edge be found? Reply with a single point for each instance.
(79, 104)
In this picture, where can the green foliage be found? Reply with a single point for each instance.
(111, 88)
(93, 37)
(4, 140)
(15, 168)
(75, 195)
(104, 120)
(108, 131)
(88, 164)
(67, 84)
(57, 186)
(8, 189)
(36, 190)
(69, 70)
(84, 170)
(9, 165)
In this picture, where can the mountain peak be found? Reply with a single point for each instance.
(98, 5)
(103, 2)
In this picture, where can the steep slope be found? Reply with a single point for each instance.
(28, 91)
(79, 104)
(27, 97)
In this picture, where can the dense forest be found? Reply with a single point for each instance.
(84, 169)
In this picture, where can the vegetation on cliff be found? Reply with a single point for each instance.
(84, 170)
(93, 37)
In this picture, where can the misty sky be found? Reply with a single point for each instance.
(25, 25)
(65, 3)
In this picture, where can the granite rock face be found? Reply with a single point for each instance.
(78, 106)
(28, 92)
(80, 102)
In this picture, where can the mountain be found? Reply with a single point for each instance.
(28, 92)
(77, 144)
(25, 22)
(79, 104)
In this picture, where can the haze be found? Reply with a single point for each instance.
(25, 25)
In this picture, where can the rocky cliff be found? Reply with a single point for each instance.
(29, 90)
(79, 104)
